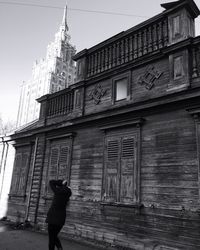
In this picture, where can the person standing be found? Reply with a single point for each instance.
(57, 212)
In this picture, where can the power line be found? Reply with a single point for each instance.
(109, 13)
(31, 5)
(72, 9)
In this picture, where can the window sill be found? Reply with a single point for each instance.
(117, 204)
(121, 100)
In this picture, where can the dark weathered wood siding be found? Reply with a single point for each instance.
(159, 118)
(168, 185)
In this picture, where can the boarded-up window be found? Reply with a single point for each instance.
(120, 168)
(20, 170)
(178, 67)
(176, 26)
(59, 161)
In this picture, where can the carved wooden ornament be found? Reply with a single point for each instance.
(148, 78)
(97, 93)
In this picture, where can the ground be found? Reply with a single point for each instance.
(13, 238)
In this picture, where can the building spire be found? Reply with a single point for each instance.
(64, 21)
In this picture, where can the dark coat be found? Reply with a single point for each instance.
(57, 212)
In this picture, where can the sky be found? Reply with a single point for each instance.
(25, 32)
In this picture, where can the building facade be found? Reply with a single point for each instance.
(49, 75)
(126, 135)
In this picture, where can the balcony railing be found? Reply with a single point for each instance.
(130, 47)
(60, 104)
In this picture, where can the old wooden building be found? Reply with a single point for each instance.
(126, 135)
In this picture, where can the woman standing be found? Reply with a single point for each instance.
(57, 212)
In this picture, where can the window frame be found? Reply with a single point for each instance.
(112, 130)
(126, 76)
(58, 141)
(22, 172)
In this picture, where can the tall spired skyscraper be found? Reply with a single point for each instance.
(49, 75)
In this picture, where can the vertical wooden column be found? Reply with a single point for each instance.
(126, 50)
(194, 63)
(122, 52)
(118, 53)
(44, 107)
(160, 35)
(140, 49)
(145, 41)
(150, 42)
(155, 37)
(98, 61)
(102, 60)
(131, 48)
(92, 64)
(89, 65)
(106, 58)
(114, 55)
(110, 60)
(195, 112)
(197, 123)
(165, 32)
(135, 46)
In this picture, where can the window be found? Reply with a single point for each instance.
(59, 161)
(121, 171)
(20, 170)
(121, 89)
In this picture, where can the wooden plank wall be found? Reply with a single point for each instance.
(138, 92)
(169, 161)
(169, 188)
(17, 205)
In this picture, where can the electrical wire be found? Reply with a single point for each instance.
(71, 9)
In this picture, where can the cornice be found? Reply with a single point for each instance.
(172, 98)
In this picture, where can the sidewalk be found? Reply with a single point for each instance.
(11, 239)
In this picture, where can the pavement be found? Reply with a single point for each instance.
(23, 239)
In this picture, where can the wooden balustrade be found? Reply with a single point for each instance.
(128, 48)
(61, 104)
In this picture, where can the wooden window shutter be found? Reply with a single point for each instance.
(63, 162)
(23, 171)
(16, 173)
(128, 161)
(112, 169)
(53, 166)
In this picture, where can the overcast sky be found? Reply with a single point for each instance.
(25, 32)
